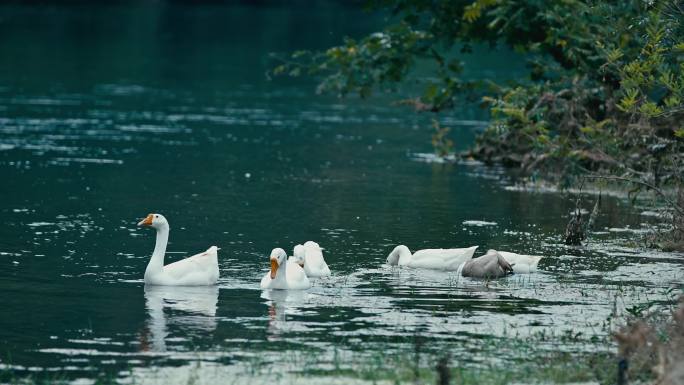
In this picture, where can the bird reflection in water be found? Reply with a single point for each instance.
(188, 308)
(280, 304)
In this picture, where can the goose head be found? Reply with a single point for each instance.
(312, 244)
(154, 220)
(298, 255)
(278, 258)
(395, 255)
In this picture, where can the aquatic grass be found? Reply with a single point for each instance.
(383, 361)
(50, 379)
(544, 356)
(542, 367)
(540, 357)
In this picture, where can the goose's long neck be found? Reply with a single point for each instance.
(401, 255)
(157, 261)
(404, 255)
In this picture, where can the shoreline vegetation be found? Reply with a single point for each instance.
(603, 98)
(602, 105)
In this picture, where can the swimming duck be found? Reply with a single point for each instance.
(310, 257)
(284, 274)
(198, 270)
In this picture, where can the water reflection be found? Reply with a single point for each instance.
(191, 309)
(281, 303)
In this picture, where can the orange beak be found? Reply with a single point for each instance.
(147, 221)
(274, 267)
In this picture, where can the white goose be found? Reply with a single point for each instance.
(310, 257)
(291, 276)
(436, 259)
(521, 263)
(198, 270)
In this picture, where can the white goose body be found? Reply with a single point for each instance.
(292, 277)
(310, 257)
(435, 259)
(198, 270)
(521, 263)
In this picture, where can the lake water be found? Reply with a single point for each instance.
(108, 113)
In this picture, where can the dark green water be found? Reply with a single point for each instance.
(108, 113)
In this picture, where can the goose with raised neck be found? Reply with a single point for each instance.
(198, 270)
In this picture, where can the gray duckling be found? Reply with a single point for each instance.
(488, 266)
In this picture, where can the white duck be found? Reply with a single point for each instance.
(521, 263)
(290, 276)
(310, 257)
(436, 259)
(198, 270)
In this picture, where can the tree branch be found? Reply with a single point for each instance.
(658, 191)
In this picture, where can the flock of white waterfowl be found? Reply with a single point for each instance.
(307, 261)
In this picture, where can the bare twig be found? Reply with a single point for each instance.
(658, 191)
(594, 214)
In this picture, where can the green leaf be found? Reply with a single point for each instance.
(587, 130)
(614, 55)
(650, 109)
(672, 101)
(430, 92)
(471, 12)
(629, 101)
(517, 113)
